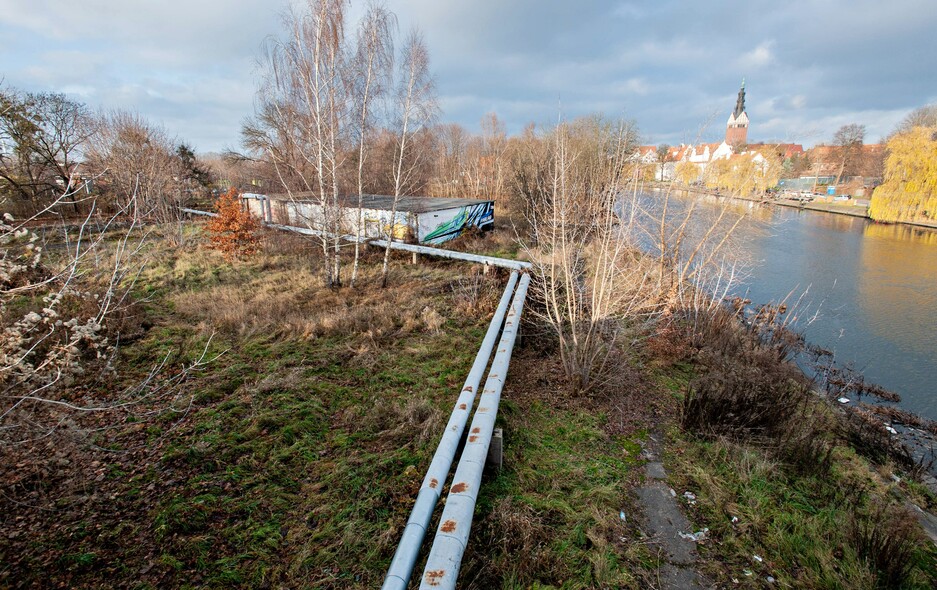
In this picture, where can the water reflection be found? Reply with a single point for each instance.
(872, 285)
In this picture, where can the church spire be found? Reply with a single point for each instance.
(737, 126)
(740, 103)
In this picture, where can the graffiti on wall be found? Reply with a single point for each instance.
(450, 224)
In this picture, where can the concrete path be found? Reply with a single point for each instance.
(664, 523)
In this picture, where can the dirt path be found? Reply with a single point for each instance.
(665, 524)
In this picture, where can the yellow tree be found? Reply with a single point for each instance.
(743, 174)
(717, 174)
(686, 172)
(909, 192)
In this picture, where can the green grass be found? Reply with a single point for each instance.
(551, 517)
(309, 433)
(798, 524)
(301, 457)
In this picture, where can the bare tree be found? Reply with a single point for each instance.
(925, 116)
(848, 141)
(449, 165)
(495, 154)
(372, 68)
(607, 257)
(663, 156)
(415, 110)
(74, 307)
(587, 270)
(43, 136)
(138, 165)
(301, 111)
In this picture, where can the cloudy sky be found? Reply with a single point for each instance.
(675, 67)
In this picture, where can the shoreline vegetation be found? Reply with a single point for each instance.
(861, 211)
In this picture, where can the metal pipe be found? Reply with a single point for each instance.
(197, 212)
(430, 251)
(401, 567)
(491, 260)
(445, 557)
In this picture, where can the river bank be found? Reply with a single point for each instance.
(861, 211)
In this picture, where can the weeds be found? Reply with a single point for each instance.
(889, 538)
(750, 389)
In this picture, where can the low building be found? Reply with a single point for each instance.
(427, 220)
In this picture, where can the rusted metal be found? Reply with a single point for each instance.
(433, 577)
(401, 567)
(445, 557)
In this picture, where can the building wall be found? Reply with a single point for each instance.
(432, 227)
(737, 135)
(435, 227)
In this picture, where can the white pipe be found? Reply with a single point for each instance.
(455, 524)
(490, 260)
(197, 212)
(401, 568)
(430, 251)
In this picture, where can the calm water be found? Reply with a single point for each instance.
(873, 286)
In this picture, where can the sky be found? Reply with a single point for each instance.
(810, 66)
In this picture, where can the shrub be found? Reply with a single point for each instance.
(233, 231)
(751, 390)
(889, 539)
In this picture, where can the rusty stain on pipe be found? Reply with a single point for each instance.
(401, 567)
(445, 557)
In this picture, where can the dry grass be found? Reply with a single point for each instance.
(283, 294)
(887, 538)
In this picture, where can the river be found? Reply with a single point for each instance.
(873, 289)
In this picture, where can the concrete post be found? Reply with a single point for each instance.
(495, 458)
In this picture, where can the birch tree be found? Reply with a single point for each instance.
(588, 273)
(372, 68)
(302, 107)
(415, 109)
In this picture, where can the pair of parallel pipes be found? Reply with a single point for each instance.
(445, 558)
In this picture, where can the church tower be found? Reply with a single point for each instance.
(737, 127)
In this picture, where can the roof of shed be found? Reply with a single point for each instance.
(386, 202)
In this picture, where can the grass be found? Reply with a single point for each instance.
(786, 500)
(798, 525)
(556, 503)
(299, 458)
(298, 461)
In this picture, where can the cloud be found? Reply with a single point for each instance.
(672, 66)
(757, 58)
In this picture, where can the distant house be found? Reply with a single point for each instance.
(735, 144)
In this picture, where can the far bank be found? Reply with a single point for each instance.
(822, 204)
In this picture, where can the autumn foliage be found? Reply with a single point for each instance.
(233, 231)
(909, 192)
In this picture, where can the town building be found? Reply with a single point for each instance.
(734, 145)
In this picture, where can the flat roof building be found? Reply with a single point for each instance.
(427, 220)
